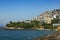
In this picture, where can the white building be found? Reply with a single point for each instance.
(54, 16)
(44, 19)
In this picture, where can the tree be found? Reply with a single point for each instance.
(24, 25)
(11, 22)
(47, 26)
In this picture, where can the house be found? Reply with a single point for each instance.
(57, 24)
(27, 21)
(44, 19)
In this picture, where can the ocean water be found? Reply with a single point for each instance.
(23, 34)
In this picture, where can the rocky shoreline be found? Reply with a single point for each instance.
(54, 36)
(12, 28)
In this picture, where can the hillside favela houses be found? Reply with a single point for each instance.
(46, 20)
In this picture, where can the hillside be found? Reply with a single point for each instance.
(50, 14)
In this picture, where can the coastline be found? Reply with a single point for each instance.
(23, 29)
(54, 36)
(50, 36)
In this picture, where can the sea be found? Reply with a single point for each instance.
(23, 34)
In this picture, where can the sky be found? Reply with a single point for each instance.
(18, 10)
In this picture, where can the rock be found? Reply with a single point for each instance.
(54, 36)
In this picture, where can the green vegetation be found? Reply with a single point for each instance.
(32, 24)
(25, 25)
(47, 26)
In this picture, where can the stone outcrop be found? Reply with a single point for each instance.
(54, 36)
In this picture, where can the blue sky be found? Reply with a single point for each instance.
(17, 10)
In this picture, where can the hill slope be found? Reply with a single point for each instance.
(51, 14)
